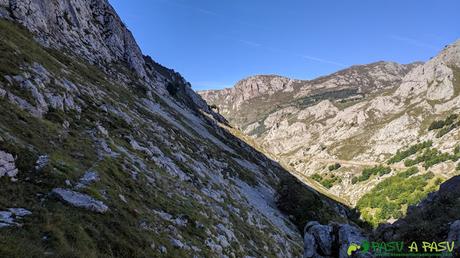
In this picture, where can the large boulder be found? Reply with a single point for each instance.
(450, 188)
(454, 232)
(331, 240)
(324, 238)
(7, 166)
(454, 235)
(348, 235)
(309, 246)
(80, 200)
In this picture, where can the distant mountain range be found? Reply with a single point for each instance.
(380, 136)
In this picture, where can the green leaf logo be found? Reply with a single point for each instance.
(353, 247)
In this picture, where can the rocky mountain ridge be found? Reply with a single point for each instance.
(267, 93)
(355, 130)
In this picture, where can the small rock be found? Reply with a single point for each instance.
(4, 225)
(88, 178)
(41, 162)
(122, 197)
(163, 249)
(177, 243)
(2, 93)
(20, 212)
(223, 241)
(66, 124)
(309, 225)
(102, 130)
(323, 236)
(215, 247)
(6, 217)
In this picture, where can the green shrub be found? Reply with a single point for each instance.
(334, 166)
(317, 177)
(445, 126)
(328, 181)
(390, 198)
(400, 155)
(354, 180)
(431, 157)
(437, 124)
(409, 172)
(446, 130)
(377, 170)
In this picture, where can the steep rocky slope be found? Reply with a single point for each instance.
(105, 153)
(341, 131)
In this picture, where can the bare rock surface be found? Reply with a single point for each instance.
(80, 200)
(7, 165)
(331, 240)
(10, 217)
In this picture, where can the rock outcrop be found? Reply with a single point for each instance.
(80, 200)
(454, 232)
(91, 29)
(7, 166)
(331, 240)
(11, 217)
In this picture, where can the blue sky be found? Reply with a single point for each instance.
(215, 43)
